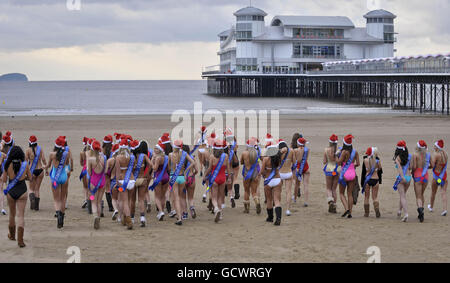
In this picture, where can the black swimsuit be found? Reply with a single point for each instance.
(37, 172)
(18, 190)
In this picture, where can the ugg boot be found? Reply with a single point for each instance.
(20, 232)
(258, 205)
(32, 201)
(129, 223)
(36, 205)
(330, 206)
(278, 213)
(12, 233)
(367, 210)
(237, 195)
(246, 207)
(269, 215)
(376, 206)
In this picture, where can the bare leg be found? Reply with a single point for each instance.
(288, 186)
(434, 189)
(12, 211)
(334, 188)
(444, 197)
(21, 204)
(350, 187)
(37, 187)
(418, 191)
(176, 199)
(343, 198)
(306, 187)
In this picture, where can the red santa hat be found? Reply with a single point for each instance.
(7, 138)
(164, 139)
(115, 148)
(301, 142)
(401, 145)
(123, 143)
(178, 144)
(370, 151)
(60, 142)
(280, 141)
(96, 145)
(32, 140)
(333, 139)
(348, 140)
(439, 144)
(134, 144)
(220, 144)
(269, 138)
(108, 139)
(203, 130)
(161, 146)
(252, 142)
(422, 144)
(117, 136)
(85, 140)
(228, 133)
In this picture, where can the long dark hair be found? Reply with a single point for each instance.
(404, 155)
(59, 152)
(218, 152)
(188, 151)
(295, 138)
(348, 148)
(33, 147)
(16, 157)
(168, 149)
(275, 160)
(107, 147)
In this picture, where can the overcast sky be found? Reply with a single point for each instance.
(172, 39)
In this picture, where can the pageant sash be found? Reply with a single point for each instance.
(405, 170)
(19, 175)
(214, 174)
(36, 159)
(345, 168)
(60, 168)
(161, 174)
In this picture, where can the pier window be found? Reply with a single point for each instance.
(246, 64)
(243, 35)
(316, 51)
(308, 33)
(249, 18)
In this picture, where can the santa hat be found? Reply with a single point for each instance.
(107, 139)
(60, 142)
(219, 144)
(32, 140)
(333, 139)
(370, 151)
(85, 140)
(164, 139)
(178, 144)
(115, 148)
(269, 138)
(203, 130)
(211, 139)
(117, 136)
(401, 145)
(301, 142)
(348, 140)
(161, 146)
(7, 138)
(228, 133)
(422, 144)
(280, 141)
(96, 145)
(134, 144)
(439, 144)
(123, 143)
(252, 142)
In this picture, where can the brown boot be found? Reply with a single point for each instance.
(129, 223)
(258, 205)
(12, 233)
(376, 206)
(20, 232)
(330, 206)
(246, 207)
(366, 210)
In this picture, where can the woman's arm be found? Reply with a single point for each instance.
(325, 159)
(399, 168)
(43, 160)
(357, 164)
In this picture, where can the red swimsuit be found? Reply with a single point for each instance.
(221, 178)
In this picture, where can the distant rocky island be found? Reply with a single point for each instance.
(14, 77)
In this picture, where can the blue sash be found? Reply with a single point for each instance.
(60, 168)
(252, 169)
(214, 174)
(330, 174)
(150, 154)
(202, 139)
(369, 176)
(161, 174)
(284, 159)
(137, 170)
(19, 175)
(127, 177)
(180, 164)
(439, 179)
(113, 183)
(6, 158)
(84, 172)
(405, 170)
(272, 174)
(94, 191)
(345, 168)
(302, 164)
(232, 152)
(36, 158)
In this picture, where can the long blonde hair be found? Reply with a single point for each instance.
(252, 154)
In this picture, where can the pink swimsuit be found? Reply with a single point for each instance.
(95, 178)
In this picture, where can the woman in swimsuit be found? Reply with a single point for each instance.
(439, 161)
(371, 162)
(7, 143)
(231, 139)
(96, 169)
(107, 151)
(69, 170)
(299, 153)
(111, 176)
(17, 195)
(163, 185)
(288, 156)
(203, 144)
(180, 182)
(294, 146)
(218, 186)
(190, 187)
(141, 149)
(332, 172)
(165, 139)
(272, 182)
(2, 157)
(248, 159)
(349, 177)
(54, 160)
(122, 164)
(84, 155)
(208, 153)
(401, 158)
(420, 170)
(38, 172)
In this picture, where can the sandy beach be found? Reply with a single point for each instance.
(309, 235)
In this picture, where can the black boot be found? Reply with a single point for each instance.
(101, 210)
(63, 215)
(226, 190)
(59, 219)
(278, 212)
(109, 201)
(421, 214)
(168, 207)
(89, 206)
(236, 191)
(32, 201)
(269, 215)
(36, 205)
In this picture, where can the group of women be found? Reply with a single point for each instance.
(124, 171)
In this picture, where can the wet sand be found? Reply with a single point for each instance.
(309, 235)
